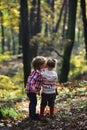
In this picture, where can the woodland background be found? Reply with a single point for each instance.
(51, 28)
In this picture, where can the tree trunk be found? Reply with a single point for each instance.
(25, 38)
(35, 25)
(70, 42)
(83, 7)
(2, 31)
(65, 31)
(60, 16)
(13, 43)
(20, 39)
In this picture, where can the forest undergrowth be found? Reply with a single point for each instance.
(70, 111)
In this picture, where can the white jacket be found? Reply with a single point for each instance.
(50, 78)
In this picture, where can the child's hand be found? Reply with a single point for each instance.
(39, 93)
(56, 92)
(26, 91)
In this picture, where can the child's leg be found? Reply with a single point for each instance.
(51, 103)
(43, 104)
(42, 108)
(32, 107)
(32, 104)
(51, 110)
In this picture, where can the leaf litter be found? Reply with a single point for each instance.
(70, 111)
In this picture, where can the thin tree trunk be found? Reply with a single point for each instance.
(58, 22)
(20, 40)
(65, 30)
(83, 7)
(13, 42)
(70, 42)
(2, 31)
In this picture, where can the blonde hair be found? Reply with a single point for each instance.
(38, 61)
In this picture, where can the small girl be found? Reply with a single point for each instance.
(34, 84)
(49, 89)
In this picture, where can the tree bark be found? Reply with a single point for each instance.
(2, 31)
(58, 22)
(70, 42)
(35, 25)
(83, 7)
(25, 38)
(65, 22)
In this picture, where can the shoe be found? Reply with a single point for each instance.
(45, 119)
(52, 117)
(36, 117)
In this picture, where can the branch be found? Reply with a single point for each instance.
(58, 53)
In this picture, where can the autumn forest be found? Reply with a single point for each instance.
(54, 29)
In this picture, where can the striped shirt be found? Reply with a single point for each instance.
(34, 81)
(49, 81)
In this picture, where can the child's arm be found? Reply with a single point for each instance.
(27, 88)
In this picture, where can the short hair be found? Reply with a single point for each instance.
(38, 61)
(51, 63)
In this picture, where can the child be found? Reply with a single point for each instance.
(49, 87)
(33, 85)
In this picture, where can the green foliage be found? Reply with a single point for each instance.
(71, 94)
(11, 78)
(5, 57)
(8, 111)
(9, 89)
(78, 65)
(18, 77)
(6, 83)
(10, 11)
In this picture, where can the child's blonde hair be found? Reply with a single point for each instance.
(38, 61)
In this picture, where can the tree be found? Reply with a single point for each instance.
(65, 22)
(25, 38)
(2, 31)
(70, 42)
(61, 11)
(83, 7)
(35, 25)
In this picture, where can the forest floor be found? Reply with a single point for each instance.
(70, 111)
(70, 114)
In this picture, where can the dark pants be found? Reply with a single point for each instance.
(48, 99)
(32, 104)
